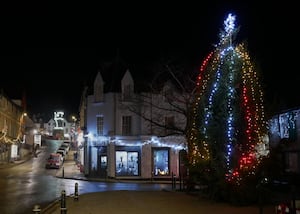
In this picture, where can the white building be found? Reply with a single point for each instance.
(58, 127)
(129, 132)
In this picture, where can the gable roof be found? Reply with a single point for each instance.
(112, 73)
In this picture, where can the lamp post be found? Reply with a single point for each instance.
(74, 119)
(74, 140)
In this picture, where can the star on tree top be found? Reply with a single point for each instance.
(229, 23)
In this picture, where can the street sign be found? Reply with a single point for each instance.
(38, 139)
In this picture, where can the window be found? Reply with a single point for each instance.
(291, 163)
(126, 125)
(169, 123)
(100, 126)
(1, 122)
(103, 159)
(98, 92)
(127, 163)
(127, 92)
(161, 162)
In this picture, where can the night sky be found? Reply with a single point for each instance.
(52, 53)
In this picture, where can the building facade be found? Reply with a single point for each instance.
(129, 133)
(12, 129)
(59, 127)
(284, 131)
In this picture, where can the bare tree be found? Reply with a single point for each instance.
(165, 103)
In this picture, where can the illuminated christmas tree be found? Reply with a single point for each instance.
(228, 135)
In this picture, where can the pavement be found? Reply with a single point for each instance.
(136, 202)
(70, 169)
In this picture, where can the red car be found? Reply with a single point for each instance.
(54, 161)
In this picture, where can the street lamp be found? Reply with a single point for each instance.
(74, 118)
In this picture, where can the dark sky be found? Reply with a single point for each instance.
(51, 51)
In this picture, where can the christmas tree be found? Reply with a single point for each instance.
(228, 135)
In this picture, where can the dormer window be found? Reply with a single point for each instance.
(169, 124)
(127, 87)
(98, 88)
(127, 93)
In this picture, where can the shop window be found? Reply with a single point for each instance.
(127, 163)
(103, 162)
(161, 162)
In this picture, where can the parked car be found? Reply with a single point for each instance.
(53, 161)
(62, 152)
(65, 146)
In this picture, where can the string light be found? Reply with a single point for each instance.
(4, 138)
(228, 70)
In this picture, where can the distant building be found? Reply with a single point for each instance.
(12, 129)
(59, 127)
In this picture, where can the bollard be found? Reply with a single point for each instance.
(63, 209)
(63, 172)
(173, 180)
(36, 209)
(76, 196)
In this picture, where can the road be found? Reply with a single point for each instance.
(30, 183)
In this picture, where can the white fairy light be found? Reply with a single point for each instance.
(229, 23)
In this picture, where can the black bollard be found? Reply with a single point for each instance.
(63, 172)
(63, 208)
(180, 180)
(173, 180)
(76, 195)
(36, 209)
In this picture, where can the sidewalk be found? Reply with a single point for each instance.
(16, 162)
(70, 169)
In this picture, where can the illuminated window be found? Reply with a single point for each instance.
(103, 159)
(127, 163)
(126, 125)
(161, 162)
(287, 126)
(100, 125)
